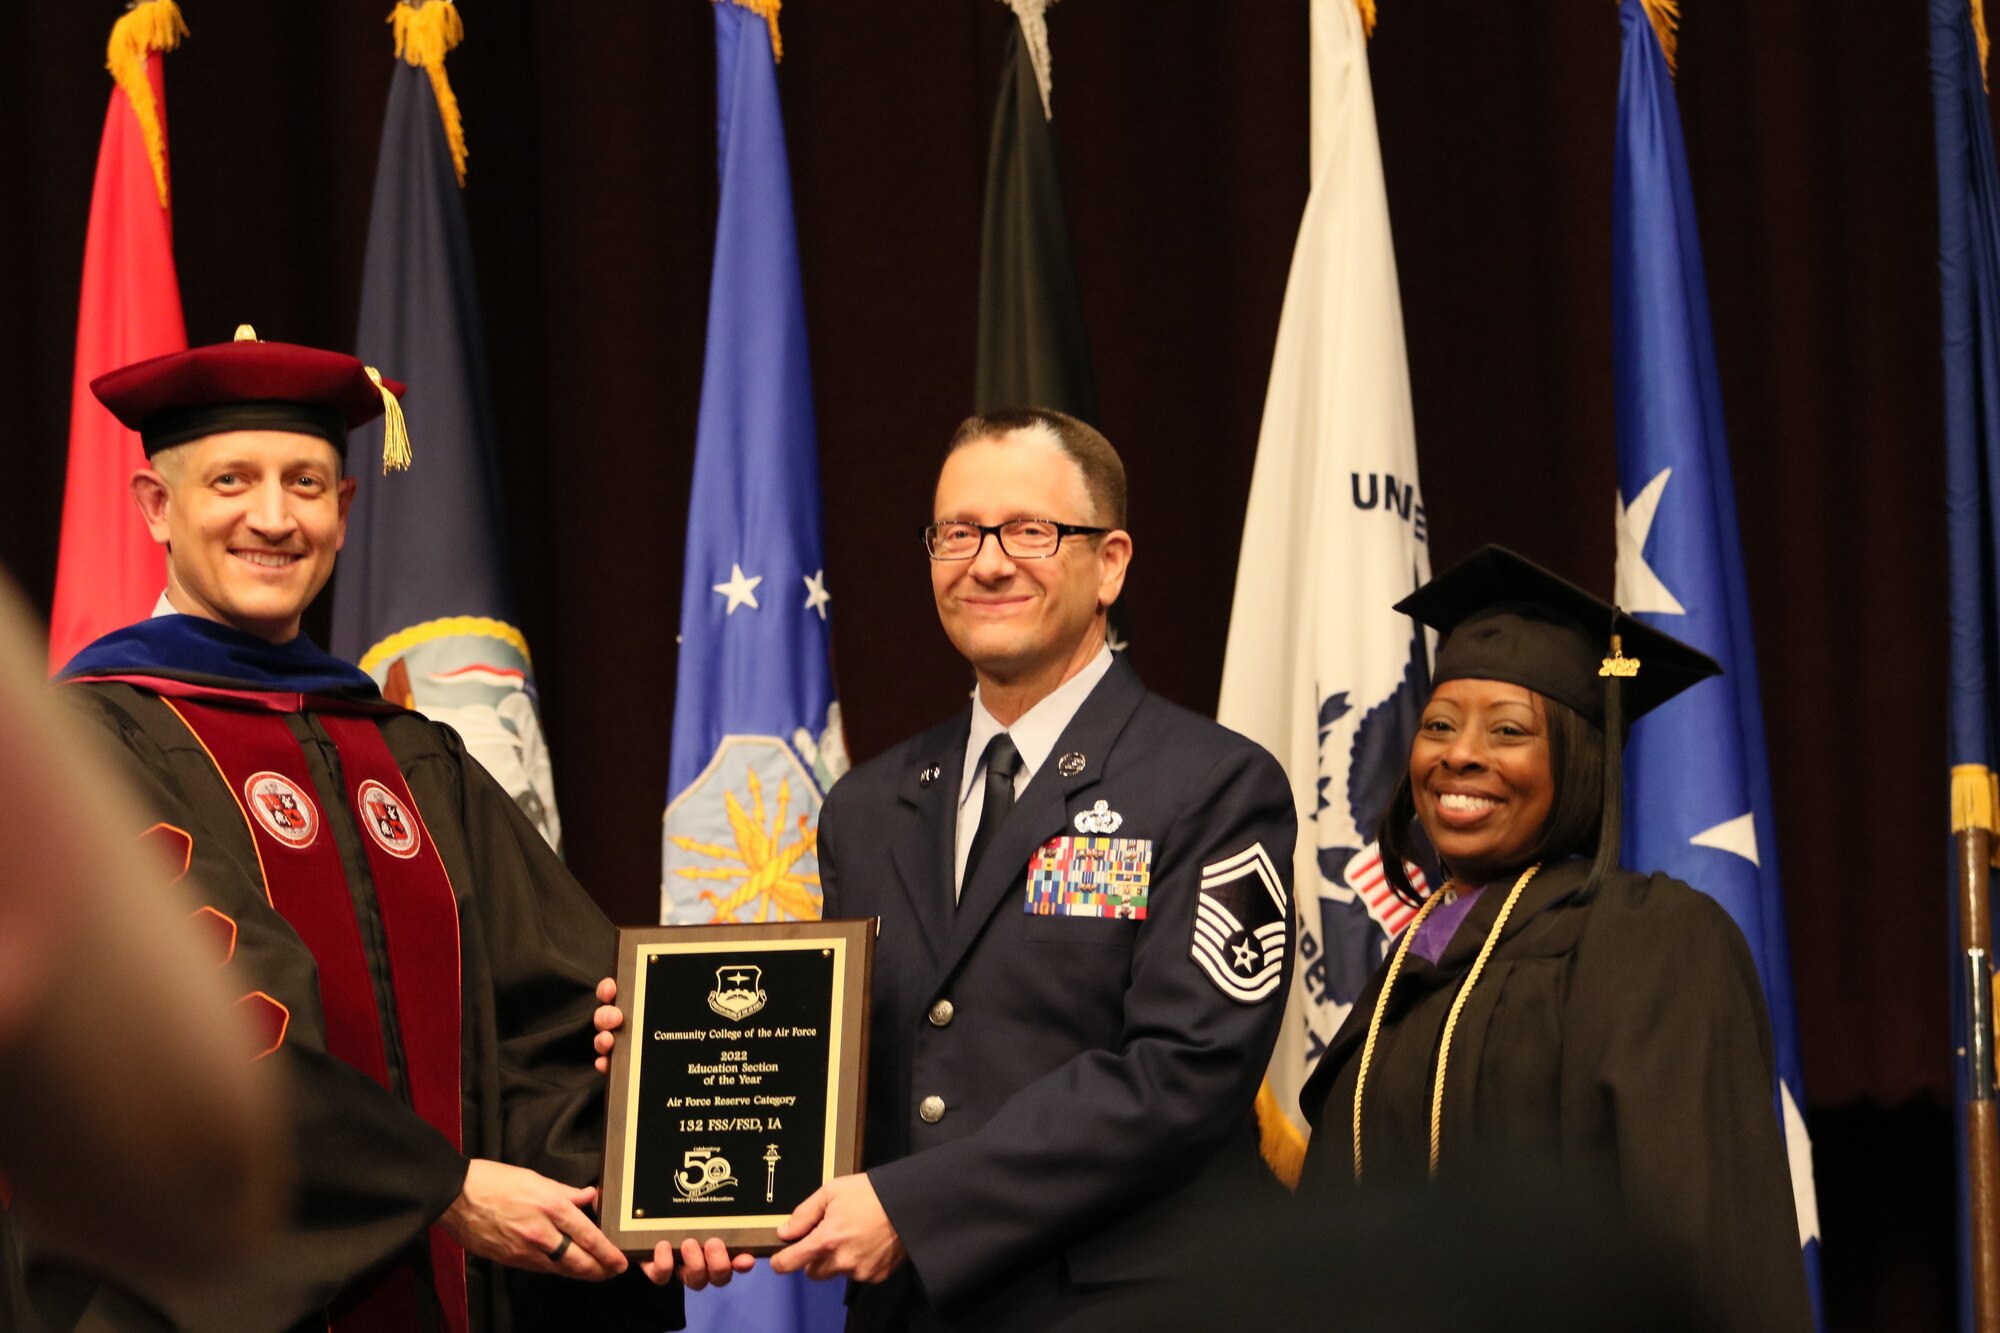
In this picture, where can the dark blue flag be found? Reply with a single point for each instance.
(1969, 288)
(1699, 788)
(421, 601)
(757, 738)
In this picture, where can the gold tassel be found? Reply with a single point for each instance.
(424, 32)
(1972, 798)
(154, 25)
(1367, 8)
(1666, 17)
(395, 431)
(766, 10)
(1979, 34)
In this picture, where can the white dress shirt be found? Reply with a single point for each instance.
(1034, 734)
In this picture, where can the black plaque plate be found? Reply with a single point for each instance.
(736, 1086)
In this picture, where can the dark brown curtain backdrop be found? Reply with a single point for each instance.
(1183, 134)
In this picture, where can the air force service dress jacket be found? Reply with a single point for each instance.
(1064, 1064)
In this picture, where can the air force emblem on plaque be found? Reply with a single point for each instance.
(1239, 925)
(1101, 877)
(739, 991)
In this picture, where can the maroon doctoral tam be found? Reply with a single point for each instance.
(246, 385)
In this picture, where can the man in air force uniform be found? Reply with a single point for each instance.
(1086, 928)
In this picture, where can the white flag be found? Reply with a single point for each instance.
(1319, 669)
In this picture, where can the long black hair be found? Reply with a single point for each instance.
(1576, 825)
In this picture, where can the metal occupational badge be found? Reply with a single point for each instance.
(1100, 877)
(1100, 818)
(1239, 925)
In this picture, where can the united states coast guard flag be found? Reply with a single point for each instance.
(422, 600)
(1969, 289)
(757, 737)
(1320, 669)
(1698, 803)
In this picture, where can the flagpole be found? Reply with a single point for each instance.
(1974, 839)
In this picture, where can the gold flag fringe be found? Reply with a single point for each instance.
(766, 10)
(395, 431)
(424, 32)
(1666, 17)
(1367, 8)
(1979, 34)
(154, 25)
(1284, 1148)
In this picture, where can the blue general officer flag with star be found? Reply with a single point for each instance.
(1698, 802)
(757, 737)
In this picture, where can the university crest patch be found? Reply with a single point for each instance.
(1239, 925)
(281, 808)
(387, 819)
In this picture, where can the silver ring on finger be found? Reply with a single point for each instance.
(562, 1248)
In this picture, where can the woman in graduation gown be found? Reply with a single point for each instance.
(1546, 1012)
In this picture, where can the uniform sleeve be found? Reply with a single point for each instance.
(370, 1175)
(1686, 1064)
(1110, 1128)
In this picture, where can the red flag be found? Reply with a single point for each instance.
(108, 570)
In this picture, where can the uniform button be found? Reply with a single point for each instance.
(941, 1013)
(931, 1109)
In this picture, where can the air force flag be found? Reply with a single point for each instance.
(1698, 802)
(757, 737)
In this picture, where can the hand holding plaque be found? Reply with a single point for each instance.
(737, 1089)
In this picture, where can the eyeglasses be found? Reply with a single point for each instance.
(1019, 538)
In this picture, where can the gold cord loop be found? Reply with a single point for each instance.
(1451, 1020)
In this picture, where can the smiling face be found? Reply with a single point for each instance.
(1481, 776)
(1025, 625)
(251, 520)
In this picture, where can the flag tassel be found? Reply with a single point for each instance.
(154, 25)
(1979, 35)
(425, 31)
(1665, 16)
(766, 10)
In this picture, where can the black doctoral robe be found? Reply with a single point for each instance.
(371, 1175)
(1622, 1041)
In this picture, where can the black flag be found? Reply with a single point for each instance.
(1033, 350)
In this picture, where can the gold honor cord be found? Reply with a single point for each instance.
(1451, 1020)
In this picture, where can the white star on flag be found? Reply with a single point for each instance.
(1639, 588)
(1738, 835)
(816, 594)
(740, 590)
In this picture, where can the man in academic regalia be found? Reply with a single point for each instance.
(419, 960)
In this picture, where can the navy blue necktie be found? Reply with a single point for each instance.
(1003, 761)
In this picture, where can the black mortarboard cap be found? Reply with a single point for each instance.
(1507, 618)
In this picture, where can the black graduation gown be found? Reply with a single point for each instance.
(1622, 1040)
(372, 1175)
